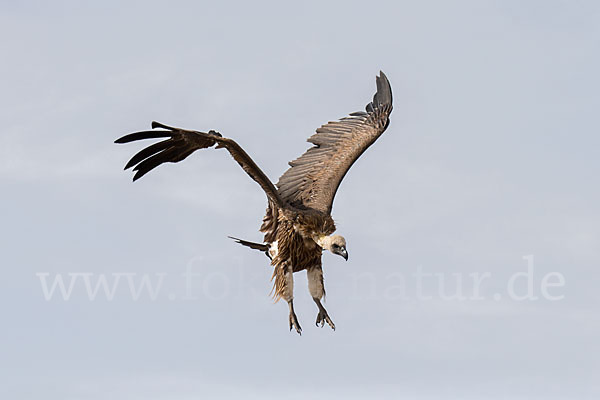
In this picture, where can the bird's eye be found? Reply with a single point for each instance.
(335, 246)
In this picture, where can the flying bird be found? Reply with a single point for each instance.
(298, 225)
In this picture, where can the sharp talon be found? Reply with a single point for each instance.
(294, 323)
(330, 322)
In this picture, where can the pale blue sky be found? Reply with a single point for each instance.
(491, 155)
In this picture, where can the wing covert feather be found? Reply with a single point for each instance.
(313, 179)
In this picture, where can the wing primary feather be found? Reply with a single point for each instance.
(313, 179)
(150, 163)
(147, 152)
(143, 135)
(182, 143)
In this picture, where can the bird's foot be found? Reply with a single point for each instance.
(294, 323)
(323, 317)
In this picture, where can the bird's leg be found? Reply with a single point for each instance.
(322, 316)
(317, 291)
(288, 295)
(293, 318)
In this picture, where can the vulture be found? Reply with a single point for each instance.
(298, 225)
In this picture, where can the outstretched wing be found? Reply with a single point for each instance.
(314, 178)
(181, 143)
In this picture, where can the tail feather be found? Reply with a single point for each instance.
(256, 246)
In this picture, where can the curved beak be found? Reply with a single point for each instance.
(344, 253)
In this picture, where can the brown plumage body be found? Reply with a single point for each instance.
(298, 225)
(297, 250)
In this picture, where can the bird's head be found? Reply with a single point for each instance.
(335, 244)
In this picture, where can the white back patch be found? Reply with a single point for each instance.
(273, 249)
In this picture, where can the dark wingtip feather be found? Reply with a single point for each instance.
(141, 172)
(121, 140)
(152, 162)
(143, 135)
(148, 152)
(156, 124)
(384, 91)
(130, 164)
